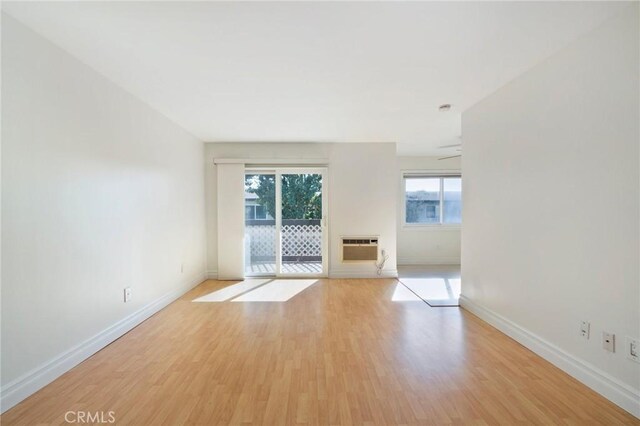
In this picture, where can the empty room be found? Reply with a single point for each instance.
(326, 213)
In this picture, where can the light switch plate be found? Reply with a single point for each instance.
(632, 349)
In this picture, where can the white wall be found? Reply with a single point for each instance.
(426, 245)
(99, 192)
(551, 207)
(363, 189)
(362, 194)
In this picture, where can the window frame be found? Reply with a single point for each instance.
(441, 174)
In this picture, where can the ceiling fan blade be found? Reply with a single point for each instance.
(451, 156)
(450, 146)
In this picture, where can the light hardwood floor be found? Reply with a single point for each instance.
(339, 352)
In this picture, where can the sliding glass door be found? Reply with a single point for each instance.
(285, 222)
(260, 234)
(301, 223)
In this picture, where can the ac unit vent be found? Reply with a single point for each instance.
(359, 241)
(359, 249)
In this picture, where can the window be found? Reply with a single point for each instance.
(261, 213)
(432, 200)
(422, 200)
(256, 212)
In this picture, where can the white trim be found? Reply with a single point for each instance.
(278, 235)
(273, 161)
(285, 276)
(212, 274)
(429, 260)
(325, 222)
(22, 387)
(430, 172)
(432, 226)
(389, 273)
(611, 388)
(440, 210)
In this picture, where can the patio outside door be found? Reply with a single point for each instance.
(285, 222)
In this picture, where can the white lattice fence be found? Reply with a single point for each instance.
(302, 240)
(262, 241)
(297, 240)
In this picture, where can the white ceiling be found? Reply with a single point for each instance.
(313, 71)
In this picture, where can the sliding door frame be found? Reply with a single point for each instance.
(324, 223)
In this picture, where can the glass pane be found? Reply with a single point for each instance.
(422, 200)
(260, 225)
(261, 212)
(301, 223)
(452, 212)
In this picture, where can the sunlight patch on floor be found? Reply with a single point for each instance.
(437, 289)
(429, 288)
(232, 290)
(276, 291)
(456, 286)
(403, 294)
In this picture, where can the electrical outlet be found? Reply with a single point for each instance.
(127, 294)
(608, 341)
(632, 349)
(182, 268)
(585, 328)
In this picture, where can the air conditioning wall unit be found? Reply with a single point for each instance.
(359, 249)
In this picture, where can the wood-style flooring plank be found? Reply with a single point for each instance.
(340, 352)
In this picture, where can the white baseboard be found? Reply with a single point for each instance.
(611, 388)
(391, 273)
(430, 260)
(17, 390)
(387, 273)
